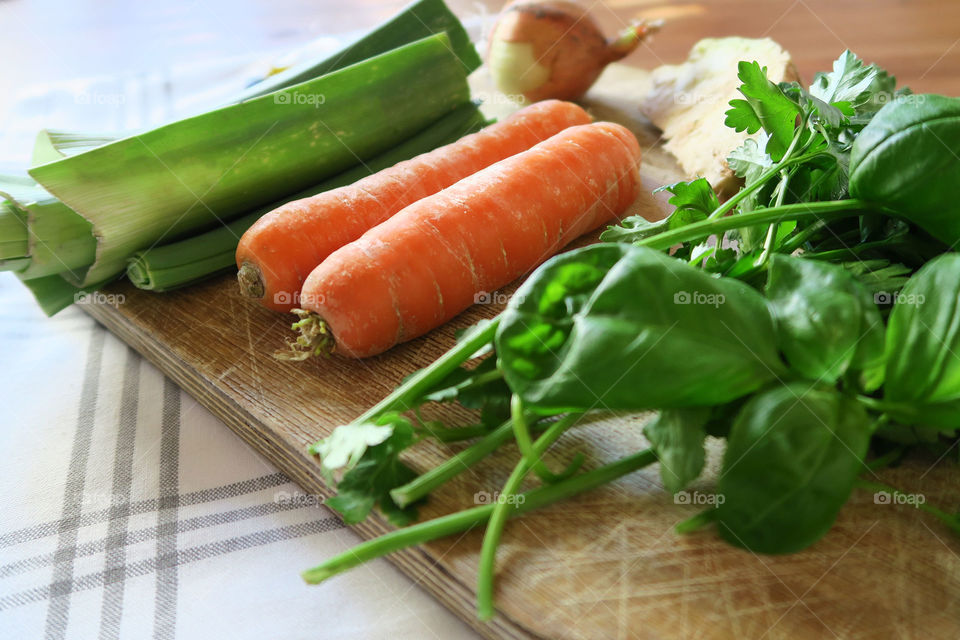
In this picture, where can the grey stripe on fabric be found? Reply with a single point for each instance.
(213, 494)
(165, 610)
(138, 536)
(193, 554)
(117, 530)
(58, 610)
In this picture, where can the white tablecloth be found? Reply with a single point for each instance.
(129, 511)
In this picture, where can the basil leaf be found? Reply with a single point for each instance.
(625, 327)
(677, 436)
(808, 447)
(923, 343)
(826, 322)
(906, 159)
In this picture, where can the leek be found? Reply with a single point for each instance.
(416, 20)
(54, 294)
(185, 262)
(53, 144)
(58, 239)
(193, 173)
(13, 238)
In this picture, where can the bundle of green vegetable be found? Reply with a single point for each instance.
(398, 91)
(810, 321)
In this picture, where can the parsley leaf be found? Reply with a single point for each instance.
(378, 471)
(692, 201)
(347, 444)
(858, 87)
(749, 160)
(765, 107)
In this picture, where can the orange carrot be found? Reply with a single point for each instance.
(427, 263)
(282, 248)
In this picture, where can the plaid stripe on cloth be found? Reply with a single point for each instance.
(129, 511)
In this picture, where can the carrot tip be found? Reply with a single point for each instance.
(251, 280)
(315, 338)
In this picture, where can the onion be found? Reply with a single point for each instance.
(554, 49)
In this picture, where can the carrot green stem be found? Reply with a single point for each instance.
(469, 518)
(502, 508)
(315, 338)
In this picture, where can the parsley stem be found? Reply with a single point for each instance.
(849, 252)
(772, 229)
(917, 501)
(785, 162)
(451, 467)
(829, 210)
(525, 443)
(469, 518)
(409, 393)
(501, 506)
(795, 241)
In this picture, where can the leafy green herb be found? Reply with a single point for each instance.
(826, 322)
(577, 335)
(846, 192)
(370, 479)
(907, 158)
(692, 201)
(677, 436)
(764, 106)
(923, 346)
(792, 459)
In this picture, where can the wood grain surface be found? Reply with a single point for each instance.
(607, 564)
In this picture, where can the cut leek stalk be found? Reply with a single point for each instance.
(52, 144)
(188, 261)
(194, 173)
(417, 20)
(58, 240)
(14, 248)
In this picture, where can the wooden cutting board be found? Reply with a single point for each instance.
(605, 565)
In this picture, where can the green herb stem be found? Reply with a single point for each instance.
(525, 443)
(453, 434)
(445, 471)
(696, 522)
(848, 252)
(785, 162)
(831, 210)
(950, 520)
(772, 229)
(407, 395)
(795, 241)
(501, 507)
(469, 518)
